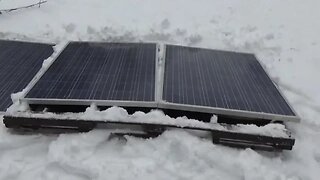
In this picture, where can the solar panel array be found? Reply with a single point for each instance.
(19, 62)
(219, 79)
(100, 71)
(194, 77)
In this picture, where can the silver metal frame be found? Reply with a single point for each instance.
(123, 42)
(88, 102)
(156, 85)
(204, 48)
(161, 73)
(159, 102)
(228, 112)
(40, 73)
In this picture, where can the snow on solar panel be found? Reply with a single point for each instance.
(219, 79)
(19, 62)
(100, 71)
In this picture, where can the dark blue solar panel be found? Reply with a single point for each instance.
(100, 71)
(220, 79)
(19, 62)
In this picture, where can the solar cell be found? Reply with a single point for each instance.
(219, 79)
(100, 71)
(19, 62)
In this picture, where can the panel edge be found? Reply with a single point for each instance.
(40, 73)
(279, 90)
(228, 112)
(46, 101)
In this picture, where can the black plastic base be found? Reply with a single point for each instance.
(233, 139)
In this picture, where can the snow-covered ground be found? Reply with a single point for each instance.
(284, 35)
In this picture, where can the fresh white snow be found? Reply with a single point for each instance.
(283, 34)
(117, 114)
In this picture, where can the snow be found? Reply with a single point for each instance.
(117, 114)
(283, 35)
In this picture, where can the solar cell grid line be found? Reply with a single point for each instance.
(137, 71)
(194, 92)
(99, 72)
(127, 78)
(107, 75)
(88, 74)
(80, 75)
(239, 92)
(259, 91)
(279, 108)
(96, 86)
(117, 66)
(184, 79)
(203, 84)
(143, 74)
(19, 63)
(114, 80)
(215, 89)
(253, 95)
(228, 82)
(252, 77)
(285, 100)
(227, 88)
(222, 88)
(219, 82)
(206, 70)
(279, 102)
(8, 76)
(57, 75)
(76, 71)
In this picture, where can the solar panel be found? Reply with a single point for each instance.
(229, 81)
(19, 62)
(100, 71)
